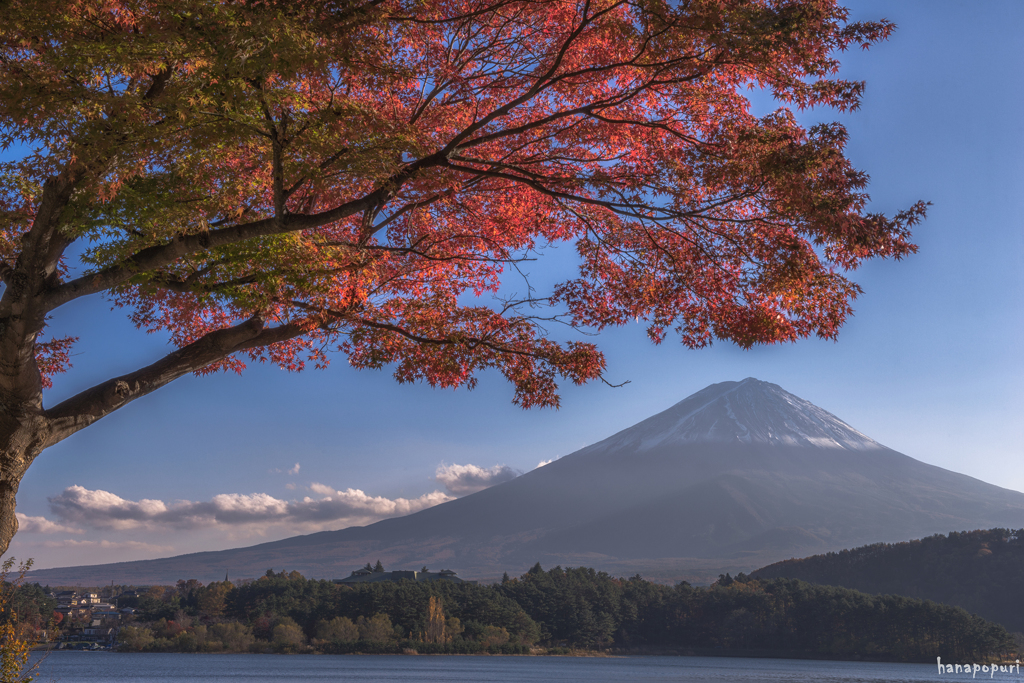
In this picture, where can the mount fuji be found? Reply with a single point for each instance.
(736, 476)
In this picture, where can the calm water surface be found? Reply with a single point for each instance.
(104, 667)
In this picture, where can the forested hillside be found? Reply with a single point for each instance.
(549, 611)
(980, 571)
(579, 606)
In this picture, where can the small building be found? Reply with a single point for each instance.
(366, 576)
(66, 598)
(107, 615)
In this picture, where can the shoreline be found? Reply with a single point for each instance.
(612, 653)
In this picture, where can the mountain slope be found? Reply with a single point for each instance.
(736, 476)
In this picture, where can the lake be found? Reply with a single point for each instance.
(104, 667)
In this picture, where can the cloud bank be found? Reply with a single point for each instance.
(461, 480)
(41, 525)
(105, 510)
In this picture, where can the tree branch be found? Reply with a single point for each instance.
(195, 287)
(161, 255)
(90, 405)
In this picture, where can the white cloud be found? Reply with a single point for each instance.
(294, 470)
(41, 525)
(545, 462)
(79, 504)
(235, 508)
(102, 509)
(321, 489)
(337, 504)
(461, 480)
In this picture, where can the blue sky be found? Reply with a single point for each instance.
(930, 365)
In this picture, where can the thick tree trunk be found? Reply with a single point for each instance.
(22, 438)
(8, 521)
(23, 430)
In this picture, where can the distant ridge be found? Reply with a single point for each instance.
(981, 571)
(736, 476)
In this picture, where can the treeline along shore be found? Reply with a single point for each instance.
(554, 612)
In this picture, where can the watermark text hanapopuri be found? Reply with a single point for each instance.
(975, 669)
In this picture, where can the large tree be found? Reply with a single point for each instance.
(282, 179)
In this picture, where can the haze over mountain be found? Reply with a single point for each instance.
(734, 477)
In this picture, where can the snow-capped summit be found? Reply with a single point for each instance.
(752, 412)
